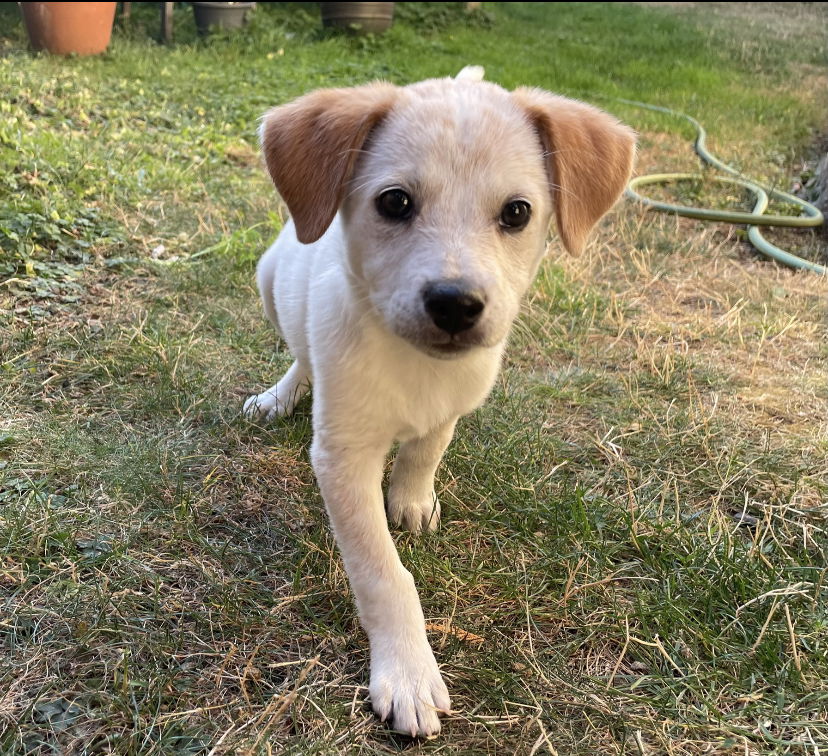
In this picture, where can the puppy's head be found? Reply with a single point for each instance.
(446, 189)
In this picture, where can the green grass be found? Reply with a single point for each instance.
(633, 552)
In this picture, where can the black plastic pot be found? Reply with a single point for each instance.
(221, 15)
(360, 18)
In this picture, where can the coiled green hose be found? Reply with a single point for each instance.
(812, 216)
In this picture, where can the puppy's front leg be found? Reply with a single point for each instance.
(406, 685)
(412, 502)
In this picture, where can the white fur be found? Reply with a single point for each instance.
(350, 308)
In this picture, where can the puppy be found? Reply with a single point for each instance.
(419, 217)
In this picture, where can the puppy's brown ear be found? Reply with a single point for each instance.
(589, 158)
(311, 145)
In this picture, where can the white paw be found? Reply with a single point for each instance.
(413, 511)
(264, 406)
(408, 691)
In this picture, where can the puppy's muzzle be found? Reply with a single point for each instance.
(453, 305)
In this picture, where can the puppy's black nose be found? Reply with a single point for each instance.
(453, 306)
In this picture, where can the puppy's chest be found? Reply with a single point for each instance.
(414, 407)
(409, 398)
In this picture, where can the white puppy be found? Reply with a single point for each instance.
(419, 219)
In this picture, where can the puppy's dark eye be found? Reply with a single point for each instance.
(395, 204)
(515, 215)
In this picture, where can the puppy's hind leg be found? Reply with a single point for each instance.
(279, 400)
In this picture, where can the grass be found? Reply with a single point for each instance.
(633, 553)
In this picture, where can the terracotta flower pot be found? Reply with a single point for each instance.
(360, 18)
(65, 28)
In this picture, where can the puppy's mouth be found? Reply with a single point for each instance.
(425, 338)
(444, 346)
(447, 350)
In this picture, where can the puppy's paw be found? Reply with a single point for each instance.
(264, 406)
(408, 692)
(414, 511)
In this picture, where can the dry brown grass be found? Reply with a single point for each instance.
(633, 557)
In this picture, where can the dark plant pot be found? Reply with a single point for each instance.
(221, 15)
(67, 28)
(359, 18)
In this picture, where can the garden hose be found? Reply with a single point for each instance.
(756, 217)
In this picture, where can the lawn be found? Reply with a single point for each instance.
(632, 557)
